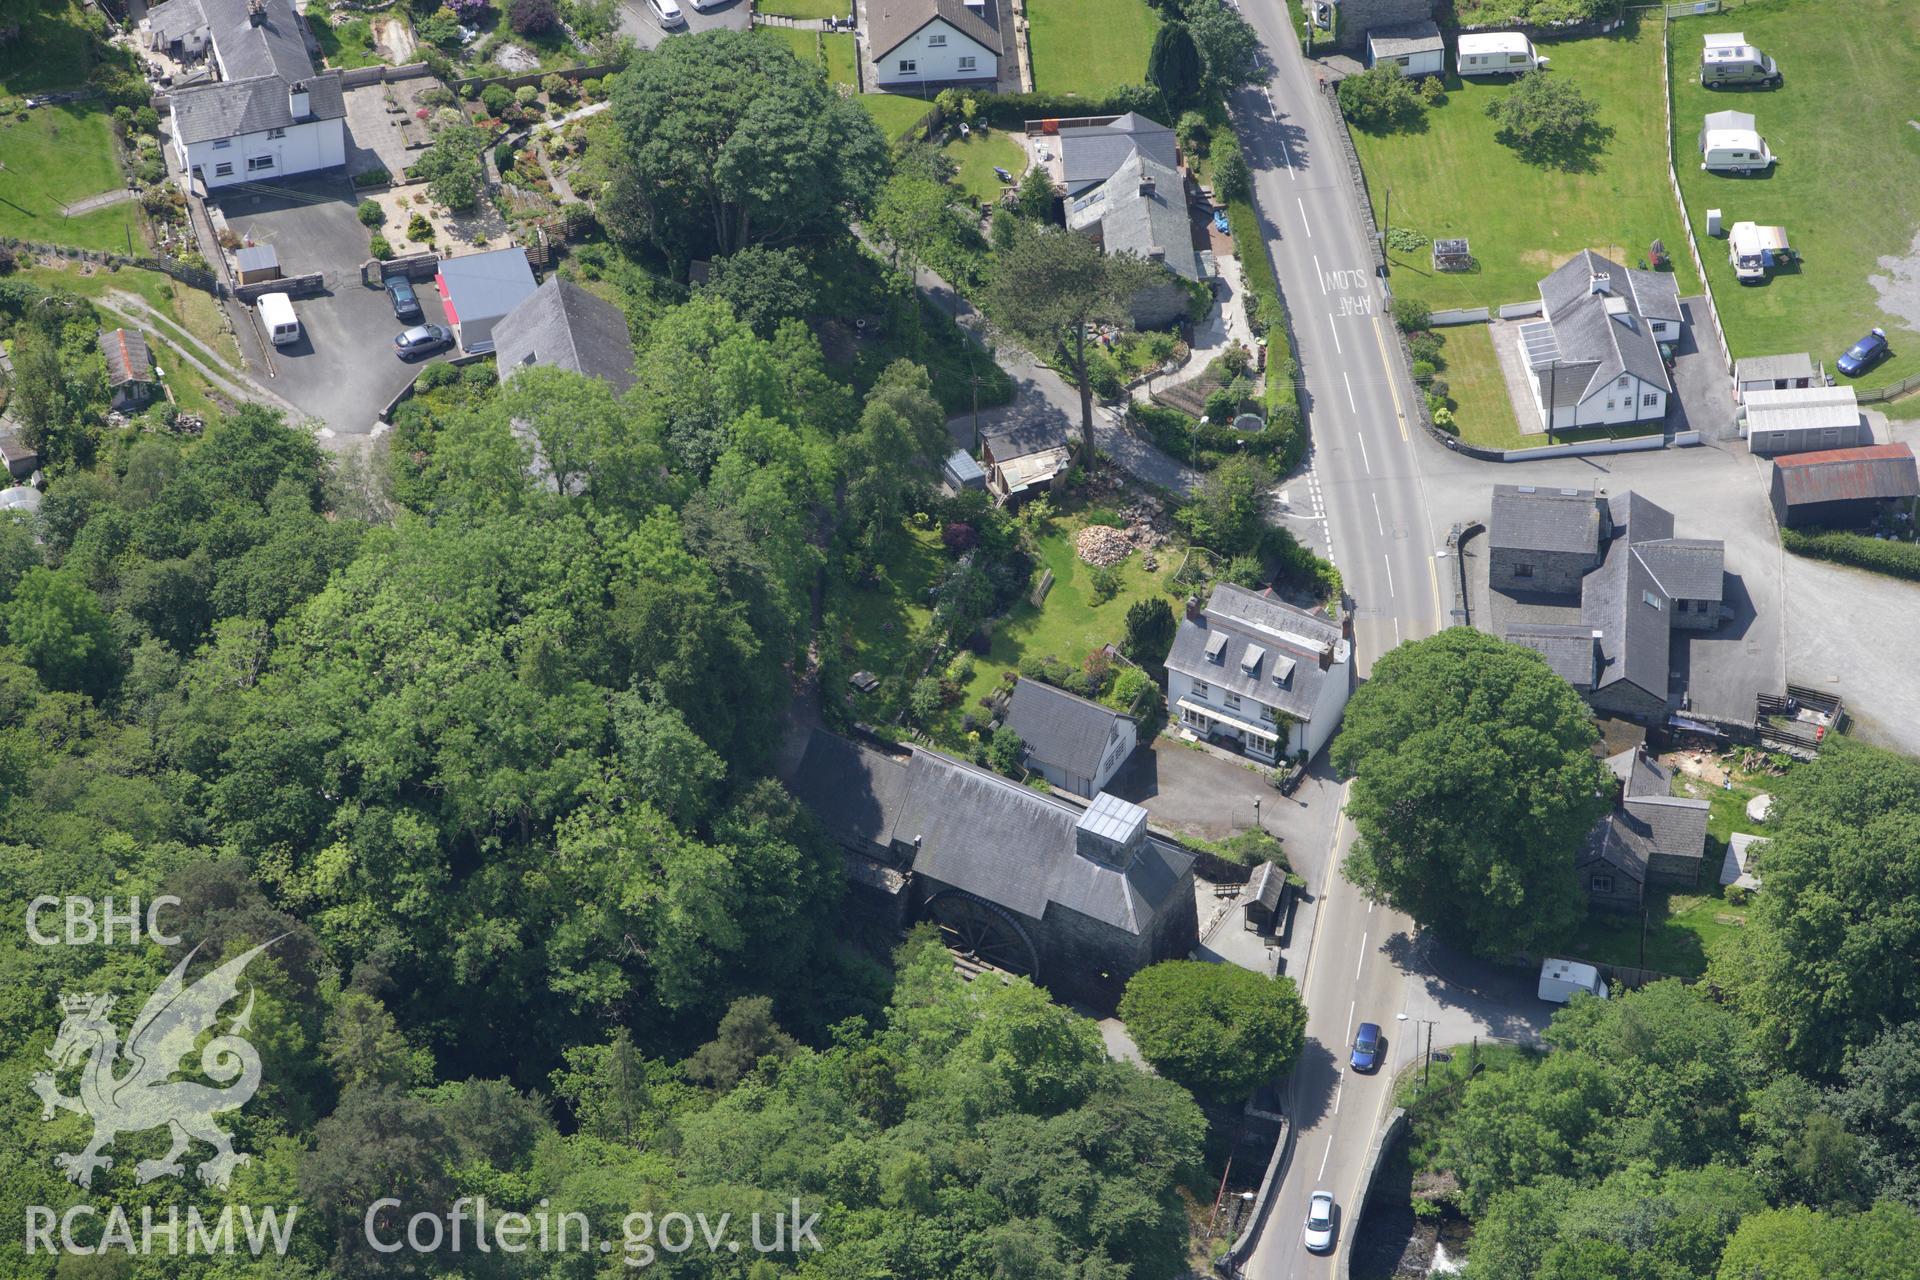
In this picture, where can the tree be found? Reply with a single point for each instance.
(1879, 1100)
(1218, 1029)
(532, 17)
(1229, 46)
(1545, 118)
(1050, 289)
(728, 140)
(765, 286)
(746, 1034)
(1798, 1243)
(1474, 781)
(61, 631)
(1150, 628)
(1830, 955)
(1224, 514)
(1381, 99)
(1231, 178)
(451, 166)
(1035, 197)
(1173, 65)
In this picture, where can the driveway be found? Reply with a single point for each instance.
(637, 20)
(1704, 393)
(342, 370)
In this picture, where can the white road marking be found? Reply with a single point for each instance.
(1396, 644)
(1349, 381)
(1363, 452)
(1337, 348)
(1338, 1089)
(1287, 155)
(1351, 1006)
(1323, 275)
(1378, 523)
(1389, 565)
(1363, 938)
(1303, 216)
(1323, 1159)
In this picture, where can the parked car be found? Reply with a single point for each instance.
(668, 12)
(406, 303)
(422, 340)
(1319, 1237)
(1864, 354)
(1366, 1047)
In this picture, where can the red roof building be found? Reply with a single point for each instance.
(1843, 487)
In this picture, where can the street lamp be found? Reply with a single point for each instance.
(1256, 814)
(1426, 1069)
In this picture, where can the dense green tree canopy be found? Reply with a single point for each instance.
(1474, 780)
(1221, 1030)
(1173, 64)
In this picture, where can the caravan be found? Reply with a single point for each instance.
(1730, 144)
(1496, 53)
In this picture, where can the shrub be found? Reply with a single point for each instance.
(1222, 405)
(1128, 687)
(1244, 571)
(1443, 419)
(1192, 131)
(1439, 389)
(1380, 99)
(531, 17)
(439, 375)
(419, 229)
(1432, 91)
(1231, 180)
(1104, 582)
(526, 95)
(926, 699)
(1005, 750)
(556, 86)
(146, 119)
(959, 536)
(1411, 314)
(496, 98)
(1422, 372)
(1425, 345)
(590, 88)
(371, 214)
(379, 247)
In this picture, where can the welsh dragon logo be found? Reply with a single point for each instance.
(130, 1089)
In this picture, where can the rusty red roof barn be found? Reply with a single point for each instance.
(1842, 486)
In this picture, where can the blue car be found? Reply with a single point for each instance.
(1864, 354)
(1367, 1047)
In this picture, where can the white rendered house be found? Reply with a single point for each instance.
(1259, 674)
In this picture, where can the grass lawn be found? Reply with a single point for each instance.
(841, 57)
(975, 157)
(1090, 47)
(345, 42)
(895, 113)
(1451, 178)
(1843, 185)
(1482, 409)
(51, 51)
(808, 46)
(805, 8)
(55, 156)
(883, 619)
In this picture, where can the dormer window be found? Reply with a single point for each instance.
(1217, 647)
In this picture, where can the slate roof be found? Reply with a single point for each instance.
(234, 108)
(1568, 649)
(1061, 729)
(480, 286)
(891, 22)
(1842, 475)
(1672, 825)
(1640, 774)
(18, 458)
(127, 357)
(984, 834)
(1586, 334)
(1151, 224)
(255, 257)
(1090, 154)
(1624, 602)
(563, 326)
(1531, 518)
(1277, 638)
(1266, 886)
(1404, 38)
(1620, 842)
(1802, 409)
(1759, 368)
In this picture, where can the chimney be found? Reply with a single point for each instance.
(256, 12)
(1194, 613)
(1146, 184)
(297, 101)
(1598, 283)
(1326, 658)
(1156, 254)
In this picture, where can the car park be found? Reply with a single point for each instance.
(1319, 1233)
(406, 303)
(1865, 354)
(422, 340)
(1367, 1047)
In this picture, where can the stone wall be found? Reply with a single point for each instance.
(1554, 572)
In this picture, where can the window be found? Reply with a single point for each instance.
(909, 67)
(224, 169)
(936, 40)
(255, 164)
(1523, 571)
(221, 144)
(1405, 62)
(1651, 599)
(276, 133)
(1233, 702)
(1650, 399)
(966, 63)
(1201, 689)
(1268, 714)
(1601, 884)
(1198, 721)
(1622, 382)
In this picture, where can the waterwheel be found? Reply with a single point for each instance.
(981, 934)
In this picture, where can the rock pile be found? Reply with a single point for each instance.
(1100, 545)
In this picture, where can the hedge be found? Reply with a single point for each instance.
(1011, 110)
(1897, 559)
(1267, 316)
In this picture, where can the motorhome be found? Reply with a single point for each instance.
(1753, 251)
(1728, 59)
(1496, 53)
(1730, 144)
(1562, 980)
(277, 319)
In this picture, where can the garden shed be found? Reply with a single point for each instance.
(1452, 255)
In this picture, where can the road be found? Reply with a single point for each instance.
(1363, 963)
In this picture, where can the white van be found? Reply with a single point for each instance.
(277, 318)
(1562, 980)
(1496, 53)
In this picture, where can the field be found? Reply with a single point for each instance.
(1452, 178)
(1842, 187)
(1482, 409)
(975, 158)
(1089, 47)
(55, 156)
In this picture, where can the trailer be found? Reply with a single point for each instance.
(1562, 980)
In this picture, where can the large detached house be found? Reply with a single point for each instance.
(1595, 354)
(269, 114)
(1079, 898)
(1257, 672)
(935, 42)
(1622, 580)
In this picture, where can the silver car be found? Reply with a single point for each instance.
(1319, 1238)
